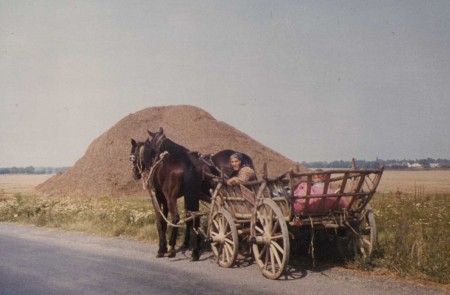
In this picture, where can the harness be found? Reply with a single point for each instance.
(149, 180)
(146, 182)
(207, 160)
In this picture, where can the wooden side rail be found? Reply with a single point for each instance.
(349, 189)
(239, 200)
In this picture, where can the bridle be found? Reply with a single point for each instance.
(156, 160)
(137, 160)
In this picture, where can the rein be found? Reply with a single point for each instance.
(146, 182)
(182, 221)
(210, 163)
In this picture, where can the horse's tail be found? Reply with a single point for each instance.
(191, 185)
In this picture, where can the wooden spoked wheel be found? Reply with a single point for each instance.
(361, 239)
(224, 238)
(271, 241)
(365, 243)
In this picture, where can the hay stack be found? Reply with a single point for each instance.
(105, 170)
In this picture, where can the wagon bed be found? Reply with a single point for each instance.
(262, 213)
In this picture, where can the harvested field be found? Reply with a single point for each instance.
(20, 183)
(423, 181)
(434, 181)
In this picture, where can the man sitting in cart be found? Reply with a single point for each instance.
(242, 172)
(316, 204)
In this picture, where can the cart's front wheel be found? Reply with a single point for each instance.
(271, 241)
(224, 238)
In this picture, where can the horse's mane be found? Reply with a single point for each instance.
(161, 143)
(172, 147)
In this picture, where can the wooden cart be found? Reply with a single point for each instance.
(262, 213)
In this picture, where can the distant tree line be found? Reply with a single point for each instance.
(32, 170)
(389, 164)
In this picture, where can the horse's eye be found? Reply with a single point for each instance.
(132, 158)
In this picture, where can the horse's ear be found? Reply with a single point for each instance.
(161, 130)
(133, 142)
(151, 133)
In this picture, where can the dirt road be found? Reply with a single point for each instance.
(44, 261)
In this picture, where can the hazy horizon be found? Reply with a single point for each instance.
(309, 162)
(312, 80)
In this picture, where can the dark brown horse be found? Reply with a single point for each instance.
(181, 173)
(171, 177)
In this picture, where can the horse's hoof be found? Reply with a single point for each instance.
(171, 254)
(195, 257)
(159, 255)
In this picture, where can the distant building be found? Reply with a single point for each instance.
(414, 165)
(435, 165)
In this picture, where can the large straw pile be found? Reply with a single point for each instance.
(105, 170)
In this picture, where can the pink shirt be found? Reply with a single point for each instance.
(315, 204)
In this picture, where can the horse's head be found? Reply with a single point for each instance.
(156, 139)
(150, 152)
(136, 157)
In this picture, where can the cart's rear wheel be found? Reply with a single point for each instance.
(271, 241)
(361, 239)
(224, 238)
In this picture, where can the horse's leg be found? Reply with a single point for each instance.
(175, 219)
(187, 235)
(161, 225)
(192, 180)
(190, 224)
(197, 240)
(163, 245)
(193, 225)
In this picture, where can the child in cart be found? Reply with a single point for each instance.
(315, 205)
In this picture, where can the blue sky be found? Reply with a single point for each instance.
(313, 80)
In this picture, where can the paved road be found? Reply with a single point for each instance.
(44, 261)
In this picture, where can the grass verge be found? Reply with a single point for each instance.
(414, 235)
(106, 216)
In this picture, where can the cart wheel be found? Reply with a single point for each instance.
(271, 243)
(224, 238)
(362, 241)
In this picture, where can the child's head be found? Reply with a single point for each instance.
(318, 177)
